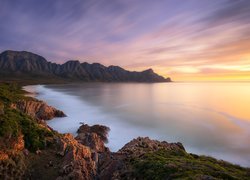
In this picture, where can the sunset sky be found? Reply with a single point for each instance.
(188, 40)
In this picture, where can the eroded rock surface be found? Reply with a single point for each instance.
(77, 162)
(141, 145)
(38, 109)
(118, 166)
(94, 137)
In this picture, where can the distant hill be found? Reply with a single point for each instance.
(26, 65)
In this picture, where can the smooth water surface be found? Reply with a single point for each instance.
(208, 118)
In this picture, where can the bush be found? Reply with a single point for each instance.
(13, 122)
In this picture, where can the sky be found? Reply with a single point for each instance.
(188, 40)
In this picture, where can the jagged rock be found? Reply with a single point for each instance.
(77, 160)
(140, 145)
(14, 145)
(12, 164)
(116, 165)
(37, 109)
(92, 140)
(93, 137)
(18, 145)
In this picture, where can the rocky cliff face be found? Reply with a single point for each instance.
(72, 158)
(12, 164)
(94, 137)
(37, 109)
(26, 64)
(77, 160)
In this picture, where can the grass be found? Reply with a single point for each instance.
(165, 164)
(14, 123)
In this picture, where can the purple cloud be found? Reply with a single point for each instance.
(128, 33)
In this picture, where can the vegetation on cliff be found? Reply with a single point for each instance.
(143, 158)
(14, 123)
(164, 164)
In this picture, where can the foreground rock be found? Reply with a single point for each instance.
(118, 165)
(37, 109)
(77, 160)
(94, 137)
(141, 145)
(143, 158)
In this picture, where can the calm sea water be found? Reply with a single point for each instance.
(208, 118)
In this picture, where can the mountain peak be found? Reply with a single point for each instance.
(150, 70)
(12, 52)
(72, 62)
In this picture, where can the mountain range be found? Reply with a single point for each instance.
(23, 65)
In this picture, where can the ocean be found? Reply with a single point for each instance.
(207, 118)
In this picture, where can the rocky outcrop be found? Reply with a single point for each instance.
(37, 109)
(141, 145)
(94, 137)
(13, 147)
(118, 166)
(20, 64)
(77, 162)
(12, 165)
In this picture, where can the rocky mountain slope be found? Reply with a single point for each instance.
(29, 149)
(22, 64)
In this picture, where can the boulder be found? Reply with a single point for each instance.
(94, 137)
(77, 160)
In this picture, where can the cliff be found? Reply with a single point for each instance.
(16, 65)
(37, 109)
(29, 149)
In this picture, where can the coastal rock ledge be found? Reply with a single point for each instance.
(37, 109)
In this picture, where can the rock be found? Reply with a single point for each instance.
(117, 165)
(17, 144)
(12, 163)
(1, 108)
(93, 137)
(100, 130)
(37, 109)
(140, 145)
(77, 160)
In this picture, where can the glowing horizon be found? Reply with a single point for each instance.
(189, 40)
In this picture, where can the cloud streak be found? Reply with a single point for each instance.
(175, 37)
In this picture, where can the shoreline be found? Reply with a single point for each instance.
(75, 134)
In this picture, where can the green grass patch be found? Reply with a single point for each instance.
(13, 122)
(165, 164)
